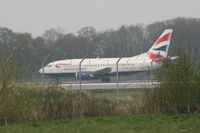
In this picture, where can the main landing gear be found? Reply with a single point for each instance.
(105, 79)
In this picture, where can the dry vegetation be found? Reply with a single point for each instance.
(23, 103)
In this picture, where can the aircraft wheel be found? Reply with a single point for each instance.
(105, 79)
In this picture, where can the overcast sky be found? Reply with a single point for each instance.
(35, 16)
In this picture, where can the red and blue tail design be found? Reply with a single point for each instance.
(160, 47)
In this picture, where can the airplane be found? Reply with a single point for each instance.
(104, 68)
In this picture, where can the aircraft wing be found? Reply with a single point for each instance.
(103, 71)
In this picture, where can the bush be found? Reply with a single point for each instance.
(179, 90)
(20, 104)
(23, 103)
(61, 103)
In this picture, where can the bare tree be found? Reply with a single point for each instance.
(6, 72)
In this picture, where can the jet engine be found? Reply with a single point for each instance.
(84, 75)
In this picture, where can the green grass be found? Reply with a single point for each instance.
(120, 124)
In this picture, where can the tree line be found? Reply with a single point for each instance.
(28, 52)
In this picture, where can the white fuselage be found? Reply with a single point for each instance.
(126, 64)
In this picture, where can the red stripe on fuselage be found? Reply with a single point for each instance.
(166, 37)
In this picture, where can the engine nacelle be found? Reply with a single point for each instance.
(84, 75)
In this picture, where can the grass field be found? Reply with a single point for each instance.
(115, 124)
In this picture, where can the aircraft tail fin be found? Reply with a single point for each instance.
(160, 48)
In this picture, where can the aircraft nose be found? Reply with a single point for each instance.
(40, 71)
